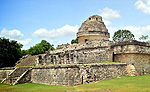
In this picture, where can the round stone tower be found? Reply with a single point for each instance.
(92, 29)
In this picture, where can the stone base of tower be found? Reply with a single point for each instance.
(83, 39)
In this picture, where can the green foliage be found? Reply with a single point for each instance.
(144, 37)
(10, 52)
(39, 48)
(121, 84)
(24, 52)
(74, 41)
(123, 35)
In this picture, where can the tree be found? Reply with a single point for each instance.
(144, 37)
(39, 48)
(24, 52)
(74, 41)
(10, 52)
(123, 35)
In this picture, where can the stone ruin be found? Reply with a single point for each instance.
(92, 29)
(82, 63)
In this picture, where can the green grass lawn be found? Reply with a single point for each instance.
(123, 84)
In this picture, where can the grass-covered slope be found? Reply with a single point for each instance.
(123, 84)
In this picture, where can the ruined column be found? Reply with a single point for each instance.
(75, 57)
(69, 57)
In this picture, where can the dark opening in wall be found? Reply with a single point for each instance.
(86, 40)
(52, 59)
(40, 57)
(82, 80)
(113, 57)
(71, 57)
(67, 56)
(89, 18)
(96, 18)
(55, 58)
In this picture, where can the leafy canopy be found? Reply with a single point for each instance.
(10, 52)
(74, 41)
(144, 37)
(39, 48)
(123, 35)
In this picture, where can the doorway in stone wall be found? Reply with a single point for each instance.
(82, 80)
(113, 57)
(86, 40)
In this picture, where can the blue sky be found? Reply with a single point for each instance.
(57, 21)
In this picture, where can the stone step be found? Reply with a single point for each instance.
(15, 75)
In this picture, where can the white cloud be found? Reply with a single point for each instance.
(12, 34)
(109, 13)
(66, 30)
(143, 5)
(63, 42)
(26, 41)
(107, 22)
(111, 30)
(15, 35)
(138, 31)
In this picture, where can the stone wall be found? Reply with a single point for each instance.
(25, 78)
(132, 49)
(135, 53)
(92, 73)
(56, 75)
(85, 38)
(89, 52)
(94, 56)
(5, 72)
(71, 75)
(140, 61)
(131, 46)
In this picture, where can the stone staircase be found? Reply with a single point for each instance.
(30, 60)
(16, 75)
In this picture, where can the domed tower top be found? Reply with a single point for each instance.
(92, 29)
(95, 18)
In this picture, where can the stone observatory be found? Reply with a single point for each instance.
(93, 29)
(94, 58)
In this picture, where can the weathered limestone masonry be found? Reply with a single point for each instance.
(71, 75)
(92, 29)
(4, 72)
(135, 53)
(89, 52)
(93, 47)
(56, 75)
(75, 64)
(21, 73)
(17, 75)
